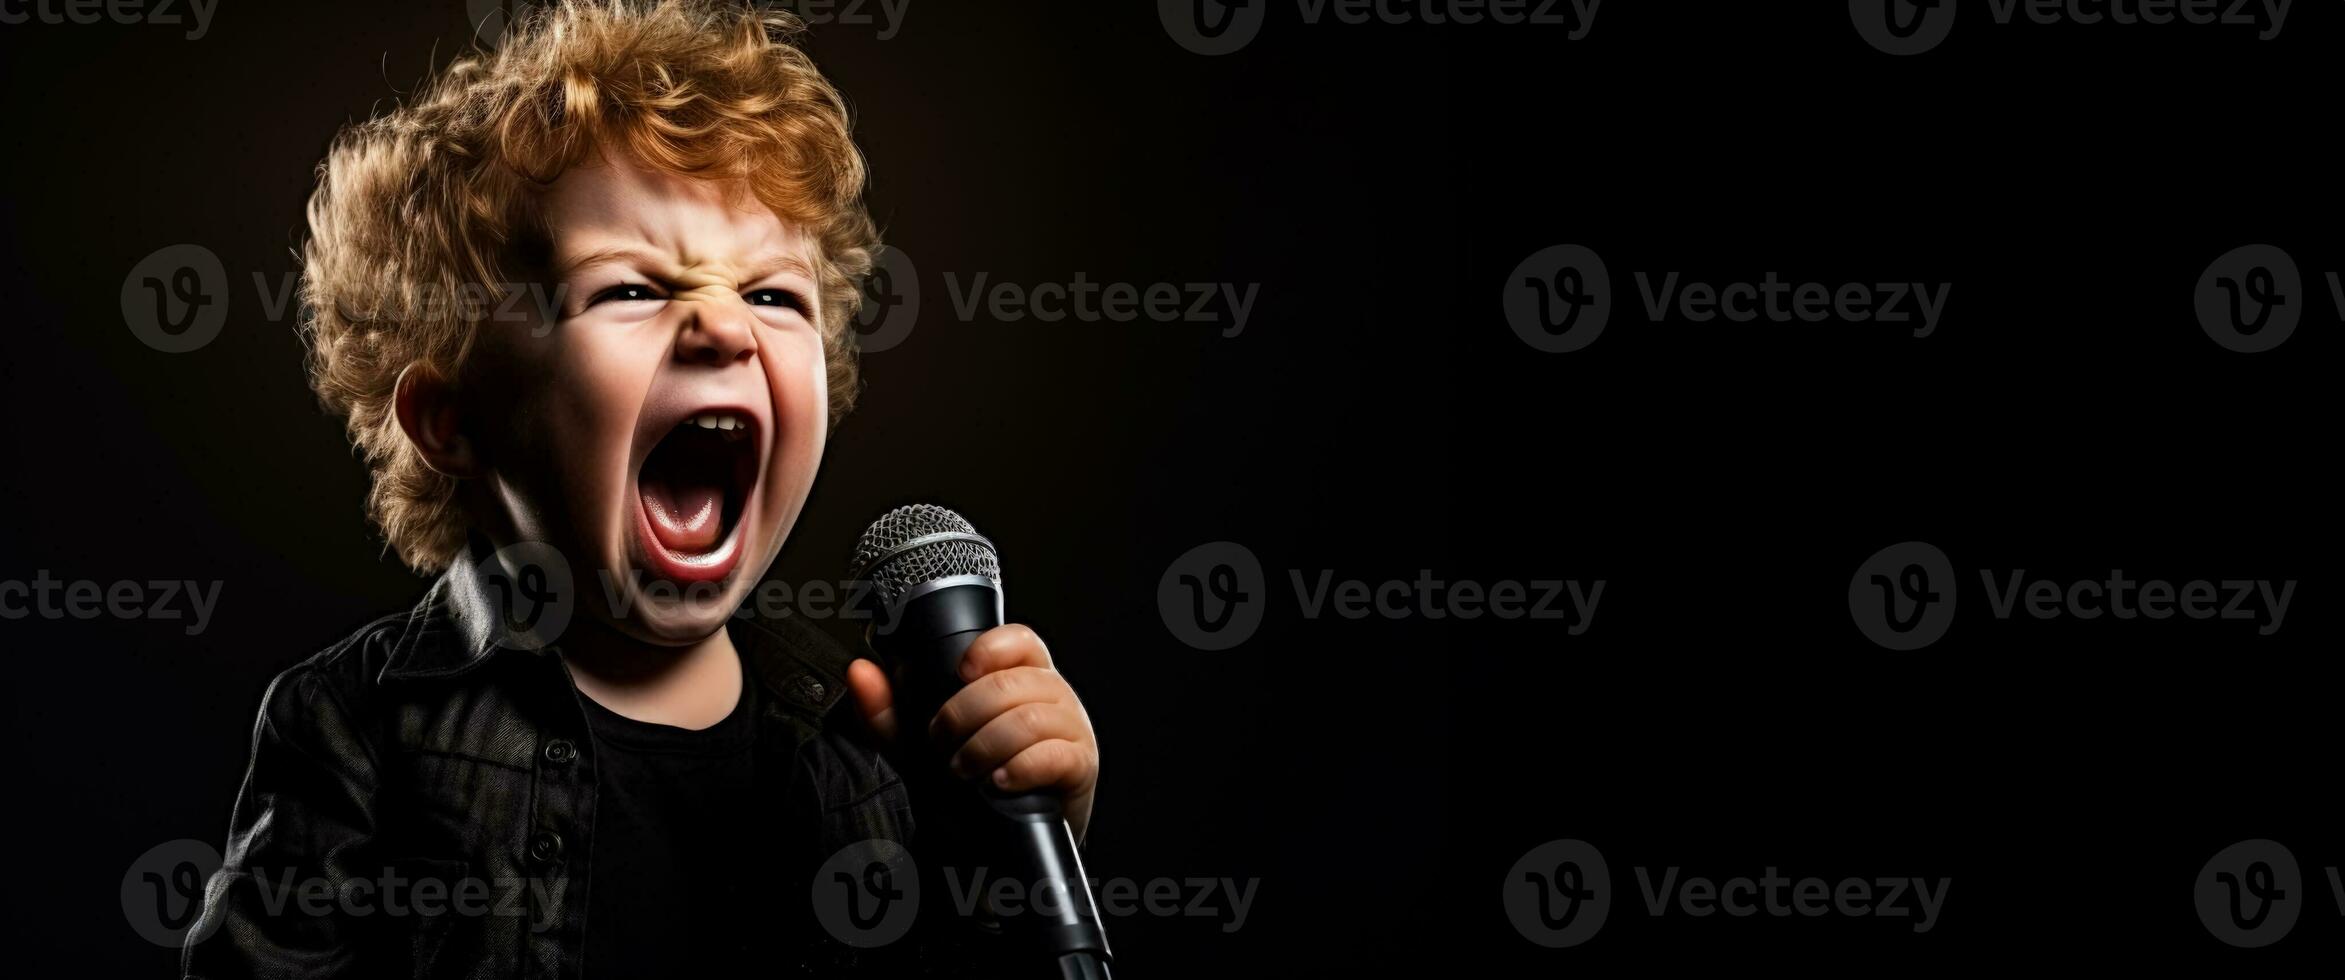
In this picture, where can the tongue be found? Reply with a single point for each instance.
(686, 518)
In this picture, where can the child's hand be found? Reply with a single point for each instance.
(1017, 723)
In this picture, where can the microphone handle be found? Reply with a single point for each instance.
(923, 644)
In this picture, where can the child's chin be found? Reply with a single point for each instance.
(671, 613)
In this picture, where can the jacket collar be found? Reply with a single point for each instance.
(454, 629)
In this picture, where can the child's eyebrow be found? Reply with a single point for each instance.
(567, 266)
(761, 265)
(768, 263)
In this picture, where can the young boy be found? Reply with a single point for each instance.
(651, 790)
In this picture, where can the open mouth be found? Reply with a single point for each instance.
(695, 486)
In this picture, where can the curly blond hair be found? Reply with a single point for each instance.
(437, 199)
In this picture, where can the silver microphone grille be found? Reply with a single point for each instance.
(916, 544)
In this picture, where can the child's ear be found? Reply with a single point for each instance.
(427, 407)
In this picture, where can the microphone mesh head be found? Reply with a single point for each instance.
(893, 556)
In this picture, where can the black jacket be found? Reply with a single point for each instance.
(419, 762)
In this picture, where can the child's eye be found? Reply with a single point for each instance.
(624, 292)
(777, 297)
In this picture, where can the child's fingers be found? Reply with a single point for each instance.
(1002, 648)
(1013, 731)
(869, 685)
(1052, 763)
(970, 708)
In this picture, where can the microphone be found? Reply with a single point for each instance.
(937, 584)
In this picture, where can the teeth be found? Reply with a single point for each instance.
(720, 421)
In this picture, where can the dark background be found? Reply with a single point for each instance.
(1376, 417)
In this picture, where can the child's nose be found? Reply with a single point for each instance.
(718, 330)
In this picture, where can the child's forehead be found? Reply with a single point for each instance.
(605, 210)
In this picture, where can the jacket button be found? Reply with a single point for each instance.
(545, 847)
(560, 751)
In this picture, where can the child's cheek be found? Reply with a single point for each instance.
(579, 396)
(798, 376)
(593, 397)
(803, 380)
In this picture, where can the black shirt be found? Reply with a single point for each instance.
(672, 809)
